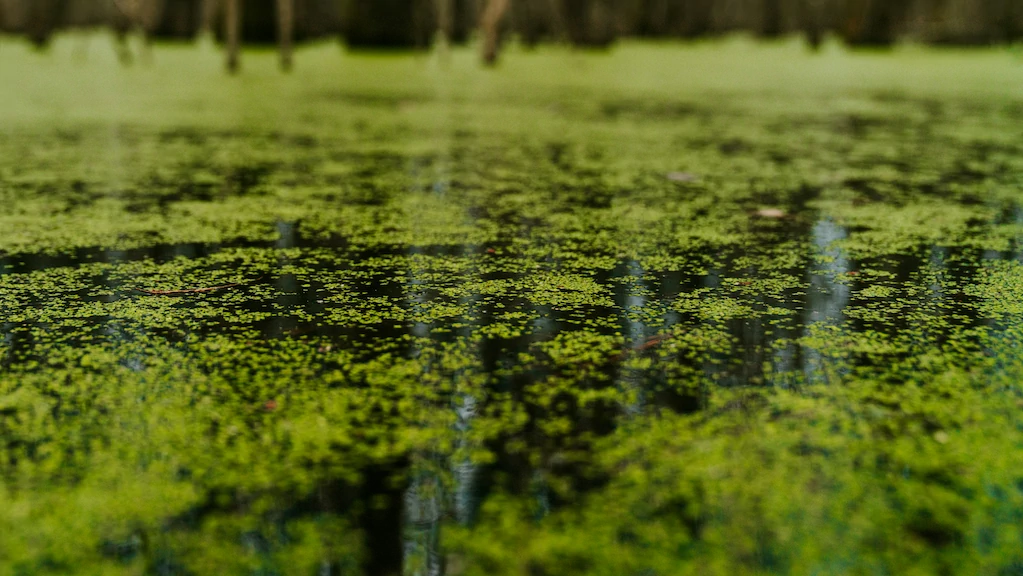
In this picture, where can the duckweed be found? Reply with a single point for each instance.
(716, 309)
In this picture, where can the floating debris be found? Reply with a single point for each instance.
(683, 177)
(772, 213)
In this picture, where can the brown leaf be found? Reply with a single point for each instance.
(774, 213)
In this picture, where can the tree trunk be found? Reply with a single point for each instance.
(464, 17)
(286, 30)
(388, 23)
(445, 19)
(771, 25)
(589, 22)
(811, 14)
(232, 32)
(534, 20)
(873, 22)
(1014, 22)
(999, 20)
(490, 25)
(179, 19)
(43, 20)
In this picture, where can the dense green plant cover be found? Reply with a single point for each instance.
(722, 309)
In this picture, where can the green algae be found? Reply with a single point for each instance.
(523, 322)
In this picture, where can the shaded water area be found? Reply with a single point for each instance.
(576, 316)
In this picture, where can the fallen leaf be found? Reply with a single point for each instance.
(771, 213)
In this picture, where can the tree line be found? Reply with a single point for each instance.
(417, 24)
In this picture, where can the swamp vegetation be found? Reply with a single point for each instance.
(723, 309)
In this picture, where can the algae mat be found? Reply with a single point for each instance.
(708, 309)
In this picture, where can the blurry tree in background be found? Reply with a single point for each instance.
(414, 24)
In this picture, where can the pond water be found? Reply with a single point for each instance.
(708, 309)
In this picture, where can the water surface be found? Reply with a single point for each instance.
(583, 314)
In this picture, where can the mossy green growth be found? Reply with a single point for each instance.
(574, 316)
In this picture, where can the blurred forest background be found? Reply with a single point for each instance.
(415, 24)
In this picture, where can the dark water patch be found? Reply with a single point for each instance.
(158, 253)
(872, 190)
(376, 99)
(296, 140)
(859, 125)
(734, 147)
(198, 136)
(68, 135)
(935, 108)
(243, 180)
(646, 109)
(158, 192)
(290, 235)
